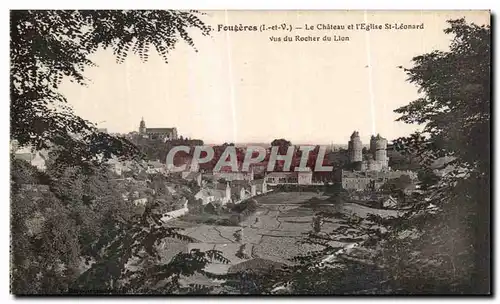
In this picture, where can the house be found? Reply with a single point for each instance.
(170, 189)
(411, 188)
(156, 167)
(240, 192)
(235, 191)
(233, 176)
(374, 199)
(192, 176)
(140, 201)
(119, 167)
(389, 202)
(208, 195)
(176, 213)
(277, 178)
(39, 160)
(287, 178)
(116, 166)
(35, 158)
(304, 178)
(258, 186)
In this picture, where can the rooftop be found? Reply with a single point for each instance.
(159, 130)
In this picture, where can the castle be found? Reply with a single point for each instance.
(377, 159)
(157, 133)
(373, 171)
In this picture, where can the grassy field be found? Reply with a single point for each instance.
(274, 231)
(205, 218)
(288, 198)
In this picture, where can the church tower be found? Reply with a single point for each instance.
(142, 126)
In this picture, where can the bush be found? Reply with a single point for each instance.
(232, 221)
(245, 207)
(211, 221)
(252, 205)
(195, 205)
(211, 209)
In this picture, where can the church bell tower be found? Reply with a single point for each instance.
(142, 126)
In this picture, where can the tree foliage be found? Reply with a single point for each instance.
(47, 46)
(456, 110)
(72, 228)
(77, 233)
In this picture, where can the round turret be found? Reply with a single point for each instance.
(373, 144)
(355, 147)
(381, 151)
(381, 145)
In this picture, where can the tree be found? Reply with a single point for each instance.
(49, 45)
(283, 145)
(78, 234)
(139, 240)
(397, 184)
(427, 178)
(195, 205)
(81, 215)
(44, 243)
(456, 112)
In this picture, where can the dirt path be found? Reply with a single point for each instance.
(220, 233)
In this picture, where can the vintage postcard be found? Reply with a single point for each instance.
(169, 152)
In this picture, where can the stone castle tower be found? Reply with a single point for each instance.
(355, 148)
(380, 149)
(142, 126)
(377, 158)
(373, 145)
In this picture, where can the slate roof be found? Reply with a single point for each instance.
(159, 130)
(207, 192)
(282, 174)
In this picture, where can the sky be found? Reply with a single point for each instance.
(240, 87)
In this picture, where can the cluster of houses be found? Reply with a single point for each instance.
(234, 191)
(235, 187)
(290, 178)
(215, 188)
(370, 180)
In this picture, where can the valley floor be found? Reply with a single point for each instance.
(273, 232)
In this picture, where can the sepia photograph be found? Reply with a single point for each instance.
(250, 152)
